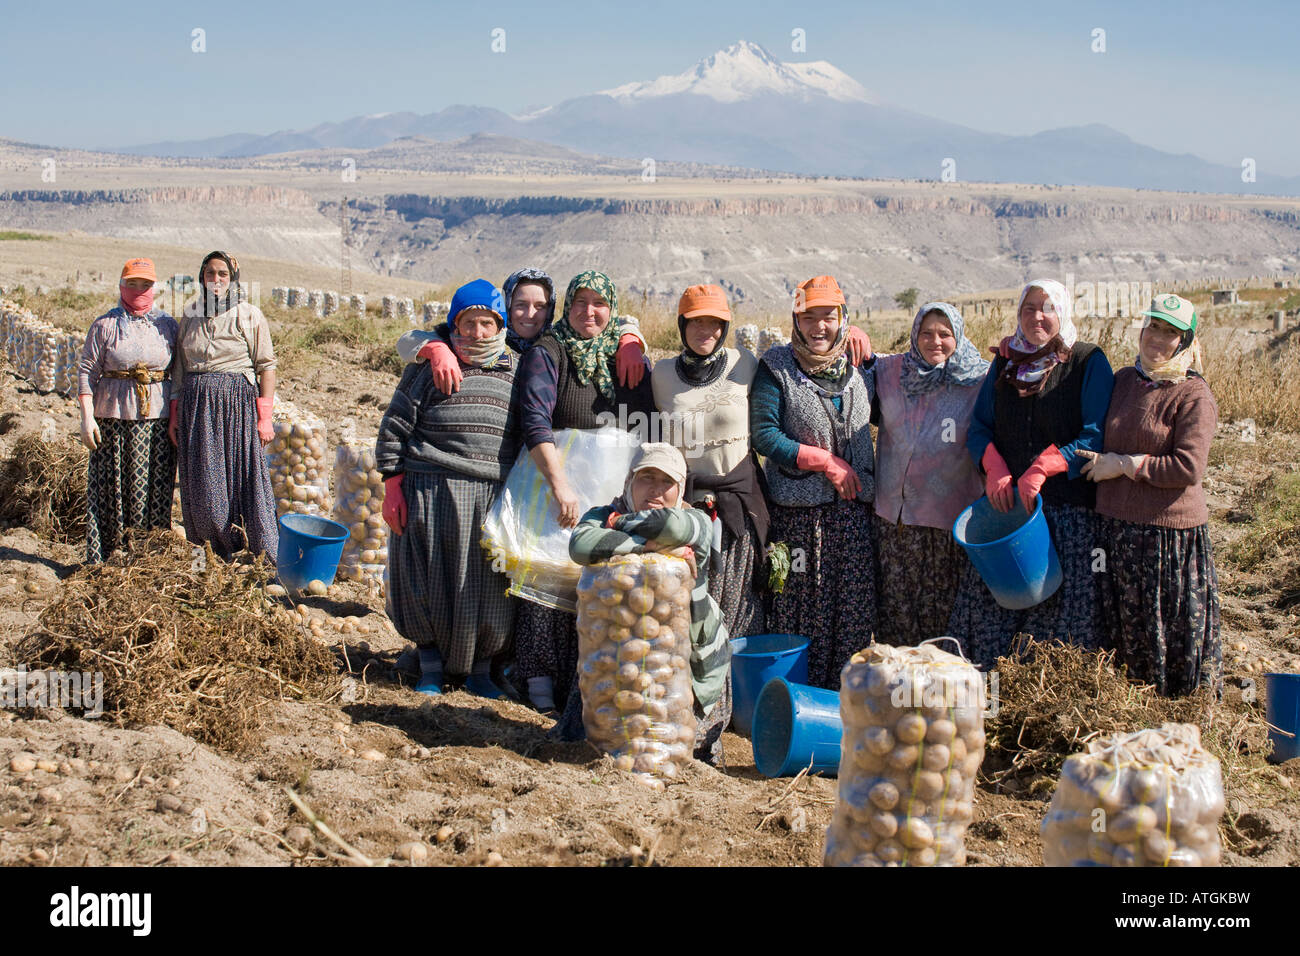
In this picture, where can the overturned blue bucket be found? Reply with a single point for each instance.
(796, 725)
(1282, 711)
(1012, 551)
(755, 660)
(310, 548)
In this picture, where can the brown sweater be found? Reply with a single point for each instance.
(1174, 424)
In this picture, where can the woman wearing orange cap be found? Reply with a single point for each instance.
(124, 391)
(221, 417)
(810, 419)
(703, 400)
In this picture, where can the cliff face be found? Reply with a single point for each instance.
(213, 195)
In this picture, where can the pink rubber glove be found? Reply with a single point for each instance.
(394, 504)
(442, 362)
(265, 430)
(173, 421)
(1049, 462)
(837, 470)
(997, 480)
(629, 360)
(859, 345)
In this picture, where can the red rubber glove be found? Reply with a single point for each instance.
(837, 470)
(265, 430)
(394, 504)
(442, 361)
(859, 345)
(997, 480)
(1049, 462)
(173, 422)
(629, 360)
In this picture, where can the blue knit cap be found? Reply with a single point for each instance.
(481, 294)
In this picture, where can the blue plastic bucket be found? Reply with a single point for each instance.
(1282, 711)
(795, 725)
(756, 660)
(310, 548)
(1012, 552)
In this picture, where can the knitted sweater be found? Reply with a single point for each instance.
(708, 424)
(1173, 422)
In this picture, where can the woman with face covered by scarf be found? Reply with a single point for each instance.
(444, 460)
(223, 392)
(703, 399)
(124, 391)
(530, 308)
(810, 419)
(569, 379)
(1037, 410)
(1159, 592)
(924, 477)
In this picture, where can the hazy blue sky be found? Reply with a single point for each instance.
(1213, 79)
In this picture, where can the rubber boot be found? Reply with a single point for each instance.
(479, 682)
(430, 682)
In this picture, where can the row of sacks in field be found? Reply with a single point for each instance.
(45, 355)
(327, 302)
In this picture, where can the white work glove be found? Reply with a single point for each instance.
(1110, 465)
(90, 436)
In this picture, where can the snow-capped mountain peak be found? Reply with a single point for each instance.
(744, 70)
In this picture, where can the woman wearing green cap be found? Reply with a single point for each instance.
(1158, 594)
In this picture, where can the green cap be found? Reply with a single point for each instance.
(1175, 310)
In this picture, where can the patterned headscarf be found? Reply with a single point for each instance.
(830, 366)
(1174, 369)
(232, 297)
(527, 274)
(1029, 364)
(591, 356)
(964, 367)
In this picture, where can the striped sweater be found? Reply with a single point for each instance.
(662, 529)
(474, 431)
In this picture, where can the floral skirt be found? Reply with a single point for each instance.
(830, 592)
(733, 586)
(918, 571)
(1159, 601)
(129, 481)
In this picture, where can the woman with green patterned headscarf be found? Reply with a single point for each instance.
(569, 380)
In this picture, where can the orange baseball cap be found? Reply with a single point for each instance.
(819, 290)
(139, 269)
(701, 300)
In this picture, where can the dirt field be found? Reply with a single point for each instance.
(475, 782)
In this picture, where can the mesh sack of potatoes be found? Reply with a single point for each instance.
(47, 346)
(296, 456)
(359, 505)
(634, 651)
(1150, 798)
(747, 337)
(913, 743)
(770, 337)
(388, 305)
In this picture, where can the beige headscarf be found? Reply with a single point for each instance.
(659, 455)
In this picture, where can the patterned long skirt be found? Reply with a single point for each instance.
(918, 571)
(546, 645)
(733, 587)
(830, 592)
(129, 482)
(1159, 599)
(986, 629)
(442, 591)
(226, 496)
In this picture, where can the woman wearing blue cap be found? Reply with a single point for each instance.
(444, 458)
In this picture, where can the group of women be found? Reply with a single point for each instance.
(158, 395)
(805, 523)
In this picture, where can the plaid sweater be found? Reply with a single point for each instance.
(662, 529)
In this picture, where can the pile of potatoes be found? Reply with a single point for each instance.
(634, 672)
(1150, 798)
(359, 504)
(913, 743)
(296, 455)
(747, 337)
(771, 337)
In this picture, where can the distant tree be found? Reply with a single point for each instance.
(906, 300)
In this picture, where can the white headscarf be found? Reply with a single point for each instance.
(1032, 363)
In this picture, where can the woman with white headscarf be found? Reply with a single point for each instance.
(1038, 409)
(924, 477)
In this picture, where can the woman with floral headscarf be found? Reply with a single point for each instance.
(444, 460)
(924, 477)
(1036, 411)
(810, 419)
(530, 306)
(1159, 593)
(569, 379)
(223, 391)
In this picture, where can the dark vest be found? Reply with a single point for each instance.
(580, 406)
(1023, 427)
